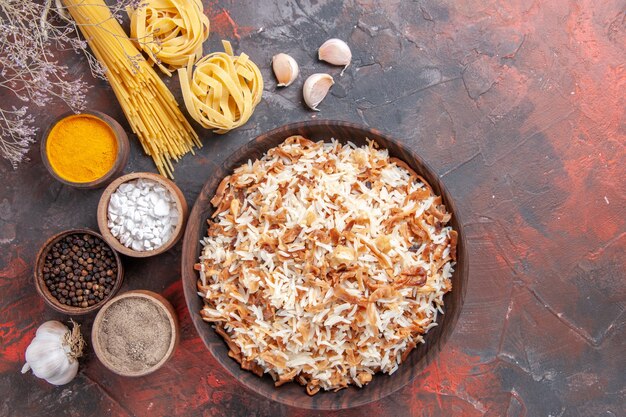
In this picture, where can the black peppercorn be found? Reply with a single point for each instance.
(79, 270)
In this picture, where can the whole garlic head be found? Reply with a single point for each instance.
(285, 69)
(336, 52)
(316, 88)
(52, 354)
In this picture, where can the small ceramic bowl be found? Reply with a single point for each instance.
(43, 290)
(99, 342)
(123, 151)
(103, 205)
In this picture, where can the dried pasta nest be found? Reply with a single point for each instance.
(222, 90)
(169, 31)
(325, 263)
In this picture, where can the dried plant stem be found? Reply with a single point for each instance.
(29, 33)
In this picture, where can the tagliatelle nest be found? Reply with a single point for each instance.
(325, 264)
(171, 32)
(221, 90)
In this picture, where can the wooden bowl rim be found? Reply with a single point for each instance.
(121, 159)
(181, 205)
(159, 301)
(433, 346)
(43, 290)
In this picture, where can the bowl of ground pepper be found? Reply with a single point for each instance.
(135, 333)
(76, 271)
(85, 150)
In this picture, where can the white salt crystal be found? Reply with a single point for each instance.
(161, 208)
(142, 214)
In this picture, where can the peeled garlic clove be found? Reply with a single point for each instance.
(336, 52)
(285, 69)
(315, 89)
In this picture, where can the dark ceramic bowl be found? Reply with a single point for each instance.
(43, 290)
(293, 394)
(121, 159)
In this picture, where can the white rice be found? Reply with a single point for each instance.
(325, 263)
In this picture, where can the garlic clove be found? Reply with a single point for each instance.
(336, 52)
(285, 69)
(52, 329)
(45, 358)
(316, 88)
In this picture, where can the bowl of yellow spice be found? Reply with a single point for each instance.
(85, 150)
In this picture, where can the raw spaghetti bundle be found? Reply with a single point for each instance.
(149, 106)
(223, 90)
(169, 31)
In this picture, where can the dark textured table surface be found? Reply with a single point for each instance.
(517, 104)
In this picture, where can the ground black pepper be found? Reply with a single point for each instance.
(74, 268)
(135, 334)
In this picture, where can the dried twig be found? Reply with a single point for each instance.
(29, 33)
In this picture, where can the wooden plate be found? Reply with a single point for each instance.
(103, 205)
(293, 394)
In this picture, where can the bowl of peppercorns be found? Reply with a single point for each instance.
(77, 271)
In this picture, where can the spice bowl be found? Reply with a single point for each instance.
(87, 285)
(138, 217)
(77, 166)
(135, 333)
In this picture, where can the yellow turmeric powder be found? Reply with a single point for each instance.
(81, 148)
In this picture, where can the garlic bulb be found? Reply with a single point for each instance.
(285, 68)
(336, 52)
(315, 89)
(52, 355)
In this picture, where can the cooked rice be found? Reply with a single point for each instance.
(325, 263)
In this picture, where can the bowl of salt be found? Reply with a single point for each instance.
(142, 214)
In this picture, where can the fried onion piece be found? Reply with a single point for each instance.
(313, 387)
(288, 377)
(221, 190)
(291, 234)
(409, 348)
(454, 236)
